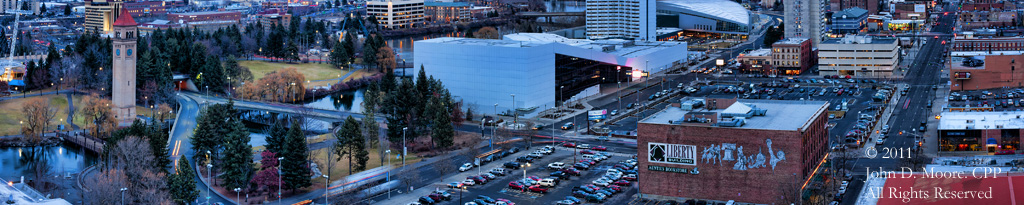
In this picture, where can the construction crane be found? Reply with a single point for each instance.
(9, 64)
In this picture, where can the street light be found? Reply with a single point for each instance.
(327, 182)
(209, 174)
(494, 130)
(122, 194)
(237, 198)
(404, 149)
(515, 115)
(387, 154)
(279, 159)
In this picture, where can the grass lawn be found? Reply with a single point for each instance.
(361, 73)
(339, 168)
(11, 116)
(312, 71)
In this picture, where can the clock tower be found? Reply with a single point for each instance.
(125, 31)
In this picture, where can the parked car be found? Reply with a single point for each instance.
(487, 199)
(560, 174)
(599, 148)
(515, 185)
(556, 165)
(583, 146)
(621, 183)
(498, 171)
(569, 144)
(455, 185)
(426, 200)
(524, 159)
(538, 189)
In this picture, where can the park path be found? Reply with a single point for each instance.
(71, 110)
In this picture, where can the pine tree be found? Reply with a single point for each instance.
(236, 161)
(158, 144)
(339, 56)
(182, 183)
(442, 133)
(295, 167)
(276, 138)
(347, 136)
(67, 10)
(469, 114)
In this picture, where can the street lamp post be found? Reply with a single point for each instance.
(387, 154)
(327, 182)
(494, 130)
(515, 115)
(209, 174)
(279, 159)
(237, 198)
(404, 149)
(122, 194)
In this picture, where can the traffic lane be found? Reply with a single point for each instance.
(853, 190)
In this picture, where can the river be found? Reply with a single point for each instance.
(16, 162)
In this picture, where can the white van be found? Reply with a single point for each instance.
(547, 182)
(589, 156)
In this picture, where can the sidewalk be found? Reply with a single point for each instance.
(876, 131)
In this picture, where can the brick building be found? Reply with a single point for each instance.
(986, 71)
(792, 56)
(447, 11)
(141, 9)
(966, 43)
(205, 16)
(979, 131)
(839, 5)
(751, 151)
(757, 61)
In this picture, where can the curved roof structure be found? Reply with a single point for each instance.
(723, 9)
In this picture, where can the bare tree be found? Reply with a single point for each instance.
(443, 166)
(130, 167)
(487, 33)
(37, 116)
(408, 178)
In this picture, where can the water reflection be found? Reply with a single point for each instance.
(19, 161)
(351, 101)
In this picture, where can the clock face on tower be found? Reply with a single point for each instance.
(128, 52)
(117, 52)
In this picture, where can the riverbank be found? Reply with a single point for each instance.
(18, 141)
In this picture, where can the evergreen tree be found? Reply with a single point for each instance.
(295, 168)
(469, 114)
(442, 133)
(347, 136)
(158, 144)
(276, 138)
(182, 183)
(349, 43)
(42, 9)
(370, 51)
(236, 160)
(211, 129)
(402, 111)
(339, 56)
(67, 10)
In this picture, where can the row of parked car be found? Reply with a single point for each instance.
(489, 158)
(615, 180)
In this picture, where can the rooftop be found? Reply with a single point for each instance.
(778, 114)
(791, 41)
(850, 13)
(724, 9)
(125, 19)
(624, 48)
(447, 4)
(759, 52)
(205, 13)
(855, 39)
(981, 120)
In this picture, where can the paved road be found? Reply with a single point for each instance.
(179, 143)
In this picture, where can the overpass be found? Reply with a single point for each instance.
(531, 14)
(321, 114)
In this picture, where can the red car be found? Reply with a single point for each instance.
(571, 171)
(1005, 152)
(621, 183)
(590, 162)
(515, 185)
(509, 202)
(614, 187)
(534, 178)
(599, 148)
(630, 178)
(538, 189)
(586, 152)
(569, 144)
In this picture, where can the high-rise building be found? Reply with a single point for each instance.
(839, 5)
(8, 5)
(396, 13)
(805, 19)
(123, 85)
(99, 14)
(621, 19)
(859, 56)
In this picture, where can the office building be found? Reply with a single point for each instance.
(539, 68)
(708, 16)
(805, 19)
(447, 11)
(100, 14)
(392, 14)
(849, 21)
(870, 5)
(749, 151)
(792, 56)
(621, 19)
(204, 16)
(859, 56)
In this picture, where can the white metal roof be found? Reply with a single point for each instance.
(981, 120)
(725, 9)
(780, 115)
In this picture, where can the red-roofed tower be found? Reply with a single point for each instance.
(124, 80)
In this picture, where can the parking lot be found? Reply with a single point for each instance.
(499, 188)
(995, 99)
